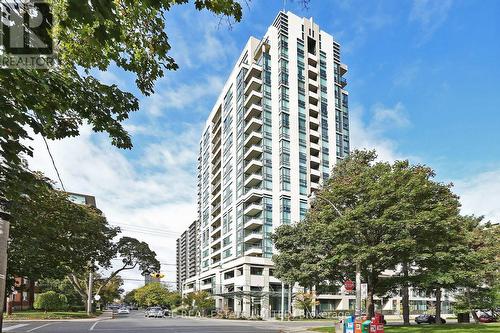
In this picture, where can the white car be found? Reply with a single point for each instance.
(123, 311)
(155, 312)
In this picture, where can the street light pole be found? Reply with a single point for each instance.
(357, 312)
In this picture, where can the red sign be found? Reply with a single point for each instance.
(349, 285)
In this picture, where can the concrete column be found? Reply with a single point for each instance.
(246, 288)
(265, 312)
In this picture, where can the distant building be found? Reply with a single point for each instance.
(187, 250)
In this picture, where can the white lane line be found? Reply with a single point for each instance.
(10, 328)
(93, 326)
(36, 328)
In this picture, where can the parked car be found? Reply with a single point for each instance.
(427, 319)
(123, 311)
(486, 318)
(155, 312)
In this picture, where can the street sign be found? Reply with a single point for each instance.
(364, 290)
(349, 285)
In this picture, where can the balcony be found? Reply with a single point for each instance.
(216, 179)
(315, 161)
(254, 83)
(253, 250)
(254, 71)
(313, 97)
(253, 166)
(315, 175)
(216, 210)
(314, 187)
(254, 111)
(343, 69)
(312, 59)
(255, 97)
(253, 180)
(312, 73)
(216, 134)
(314, 135)
(215, 234)
(313, 85)
(216, 188)
(253, 125)
(253, 194)
(216, 145)
(253, 236)
(315, 148)
(253, 223)
(253, 209)
(343, 82)
(252, 152)
(216, 198)
(253, 138)
(314, 122)
(313, 110)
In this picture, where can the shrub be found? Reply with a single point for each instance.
(50, 301)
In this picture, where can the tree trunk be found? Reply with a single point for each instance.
(438, 305)
(370, 306)
(405, 295)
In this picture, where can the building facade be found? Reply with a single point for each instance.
(186, 254)
(276, 130)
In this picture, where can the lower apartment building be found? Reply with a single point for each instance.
(275, 132)
(186, 254)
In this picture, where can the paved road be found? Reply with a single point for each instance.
(136, 323)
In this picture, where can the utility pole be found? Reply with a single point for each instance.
(282, 301)
(89, 293)
(4, 238)
(358, 290)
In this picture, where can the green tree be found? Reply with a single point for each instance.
(134, 254)
(66, 236)
(111, 291)
(152, 294)
(50, 301)
(90, 35)
(61, 286)
(362, 215)
(199, 301)
(306, 301)
(129, 297)
(476, 268)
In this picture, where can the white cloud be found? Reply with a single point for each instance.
(479, 194)
(171, 95)
(430, 15)
(155, 189)
(370, 134)
(394, 117)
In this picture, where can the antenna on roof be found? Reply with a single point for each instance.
(284, 5)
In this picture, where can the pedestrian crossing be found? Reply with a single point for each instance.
(27, 327)
(13, 327)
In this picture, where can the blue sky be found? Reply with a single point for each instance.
(424, 84)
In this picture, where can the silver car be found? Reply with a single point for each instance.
(155, 312)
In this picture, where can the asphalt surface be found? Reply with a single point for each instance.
(135, 322)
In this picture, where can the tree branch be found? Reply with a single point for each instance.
(115, 273)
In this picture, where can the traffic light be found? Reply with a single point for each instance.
(158, 275)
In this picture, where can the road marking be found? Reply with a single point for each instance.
(36, 328)
(93, 326)
(10, 328)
